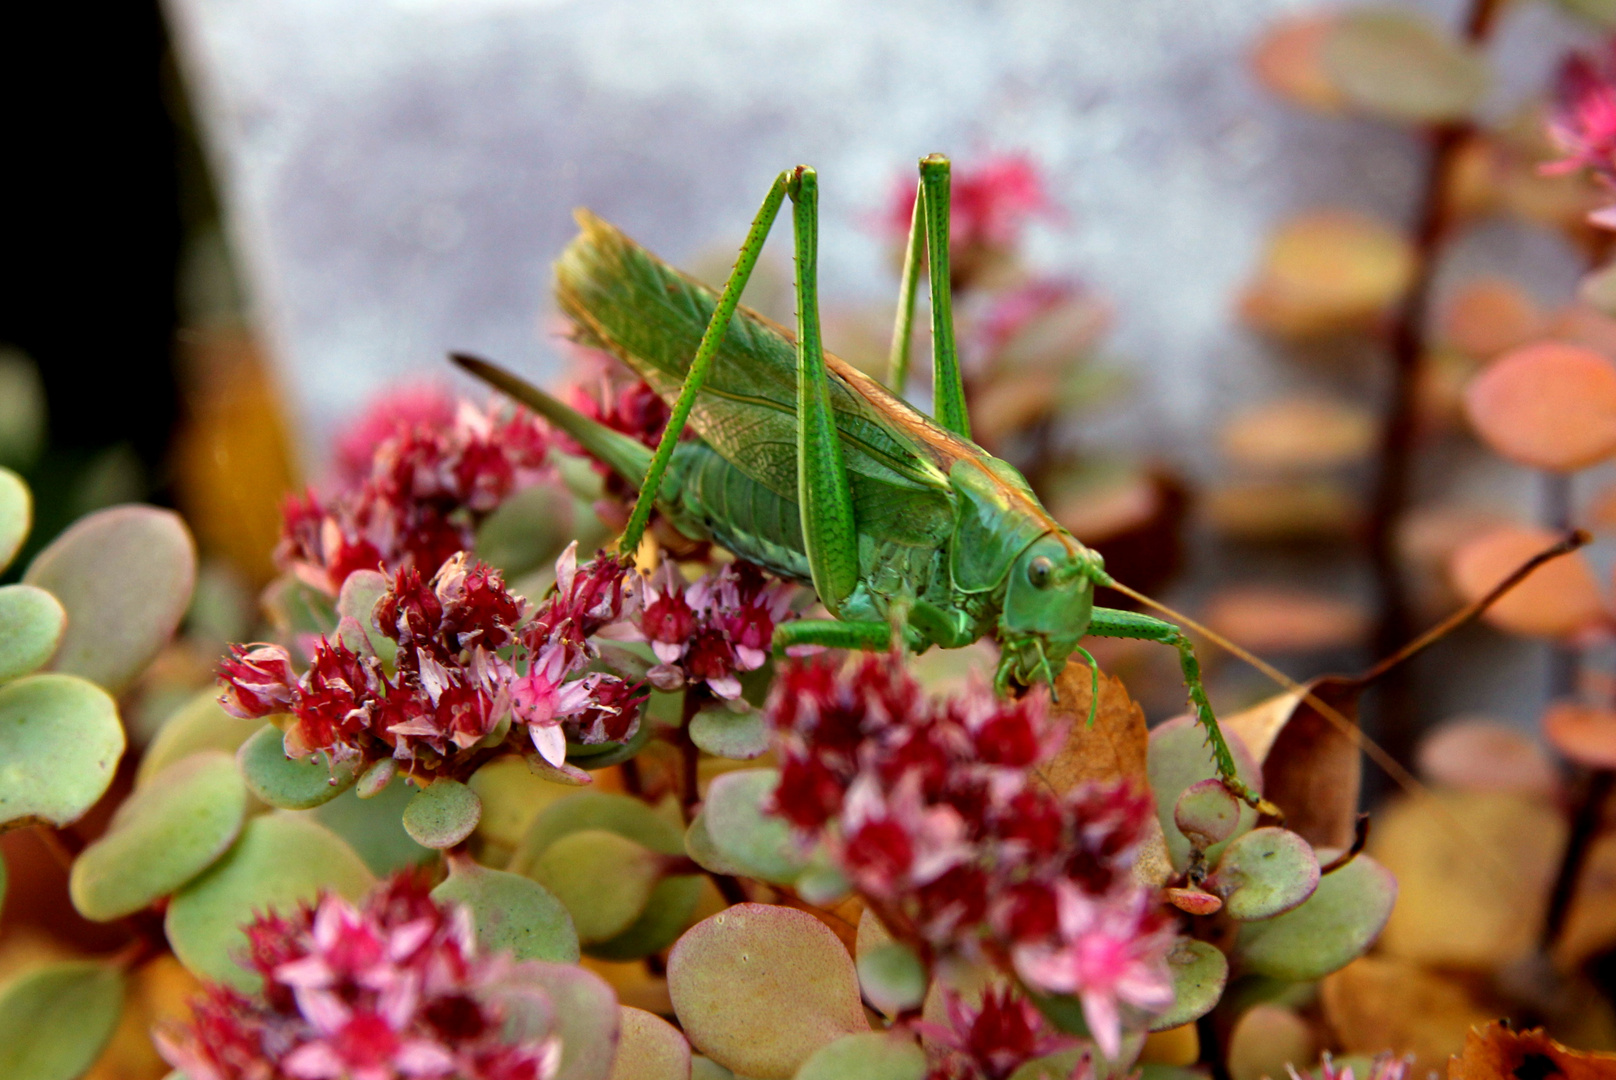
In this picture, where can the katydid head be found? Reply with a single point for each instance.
(1047, 603)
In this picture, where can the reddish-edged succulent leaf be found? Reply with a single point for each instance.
(1495, 1052)
(1289, 61)
(1585, 734)
(1490, 315)
(1557, 599)
(649, 1048)
(1326, 272)
(1275, 620)
(1549, 405)
(1480, 754)
(1399, 65)
(1299, 433)
(1263, 873)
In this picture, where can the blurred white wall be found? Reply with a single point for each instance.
(399, 173)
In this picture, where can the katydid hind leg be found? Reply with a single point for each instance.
(1107, 622)
(728, 300)
(948, 386)
(824, 493)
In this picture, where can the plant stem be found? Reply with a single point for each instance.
(690, 755)
(1398, 428)
(1586, 818)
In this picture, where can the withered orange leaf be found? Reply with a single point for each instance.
(1494, 1052)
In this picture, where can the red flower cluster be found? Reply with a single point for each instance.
(927, 808)
(1584, 122)
(599, 706)
(392, 989)
(712, 628)
(449, 692)
(427, 486)
(992, 1040)
(991, 203)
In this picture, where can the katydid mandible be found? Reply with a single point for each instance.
(804, 465)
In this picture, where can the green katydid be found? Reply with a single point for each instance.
(806, 466)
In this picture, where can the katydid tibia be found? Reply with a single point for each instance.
(905, 528)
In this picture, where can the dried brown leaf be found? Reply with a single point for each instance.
(1282, 510)
(1494, 1052)
(1311, 770)
(1379, 1003)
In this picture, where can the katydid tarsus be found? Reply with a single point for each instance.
(905, 528)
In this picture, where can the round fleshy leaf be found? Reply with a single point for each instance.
(527, 531)
(699, 846)
(55, 1020)
(1585, 734)
(287, 782)
(1206, 813)
(1299, 433)
(199, 724)
(604, 880)
(512, 798)
(755, 960)
(279, 860)
(587, 1019)
(1327, 272)
(31, 625)
(375, 778)
(669, 910)
(16, 515)
(1266, 1038)
(1199, 971)
(892, 977)
(1263, 873)
(868, 1055)
(649, 1048)
(1550, 405)
(374, 828)
(1335, 925)
(626, 816)
(1177, 759)
(1288, 61)
(705, 1068)
(745, 834)
(442, 814)
(125, 576)
(60, 741)
(162, 836)
(725, 733)
(1557, 599)
(511, 913)
(1399, 65)
(1490, 315)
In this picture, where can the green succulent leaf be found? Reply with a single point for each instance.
(527, 531)
(16, 515)
(286, 782)
(360, 592)
(705, 1068)
(1401, 66)
(279, 861)
(511, 913)
(442, 814)
(626, 816)
(700, 847)
(163, 835)
(649, 1048)
(725, 733)
(1199, 971)
(587, 1019)
(1334, 927)
(374, 828)
(668, 911)
(56, 1020)
(605, 880)
(125, 576)
(60, 741)
(1599, 12)
(1206, 813)
(1177, 759)
(892, 977)
(200, 724)
(755, 960)
(295, 608)
(868, 1055)
(747, 835)
(512, 798)
(1263, 873)
(31, 626)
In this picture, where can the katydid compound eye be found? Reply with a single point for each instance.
(1039, 570)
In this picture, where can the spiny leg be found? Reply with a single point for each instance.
(1107, 622)
(904, 326)
(947, 386)
(710, 340)
(824, 494)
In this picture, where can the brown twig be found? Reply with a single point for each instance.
(1586, 819)
(1398, 429)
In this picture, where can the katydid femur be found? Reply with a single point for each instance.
(905, 528)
